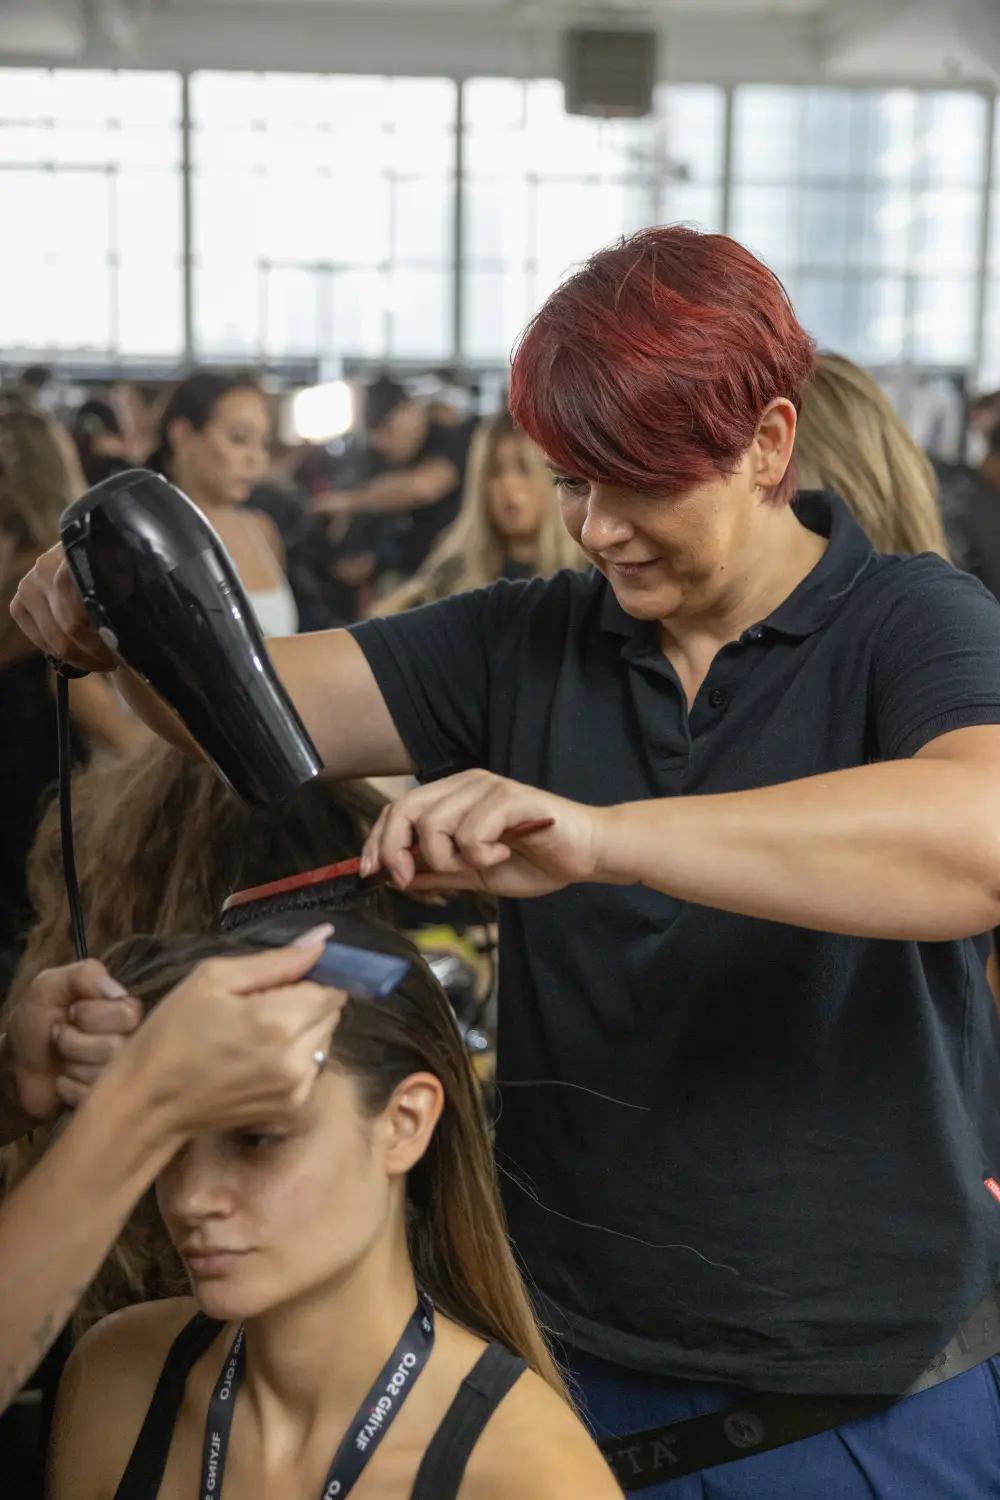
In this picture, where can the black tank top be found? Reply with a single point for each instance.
(441, 1469)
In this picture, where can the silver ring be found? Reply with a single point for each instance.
(320, 1059)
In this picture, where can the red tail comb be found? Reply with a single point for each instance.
(349, 867)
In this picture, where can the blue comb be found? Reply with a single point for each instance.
(359, 971)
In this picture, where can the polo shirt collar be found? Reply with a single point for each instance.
(810, 605)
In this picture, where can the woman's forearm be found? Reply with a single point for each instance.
(59, 1224)
(904, 850)
(96, 710)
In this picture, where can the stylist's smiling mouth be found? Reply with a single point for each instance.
(628, 572)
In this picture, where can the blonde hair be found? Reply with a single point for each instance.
(849, 439)
(471, 553)
(37, 482)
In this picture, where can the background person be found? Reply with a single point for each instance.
(38, 478)
(971, 503)
(100, 443)
(315, 1235)
(509, 525)
(421, 487)
(213, 444)
(771, 756)
(849, 439)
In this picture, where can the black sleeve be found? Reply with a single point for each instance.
(936, 662)
(451, 443)
(434, 668)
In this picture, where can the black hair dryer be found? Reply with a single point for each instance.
(162, 592)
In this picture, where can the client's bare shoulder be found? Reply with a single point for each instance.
(104, 1394)
(536, 1447)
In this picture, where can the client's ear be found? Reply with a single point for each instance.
(407, 1123)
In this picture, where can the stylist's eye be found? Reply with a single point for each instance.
(567, 485)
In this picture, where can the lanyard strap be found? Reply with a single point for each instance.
(370, 1424)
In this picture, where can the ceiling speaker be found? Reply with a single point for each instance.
(609, 72)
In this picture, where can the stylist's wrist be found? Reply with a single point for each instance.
(616, 851)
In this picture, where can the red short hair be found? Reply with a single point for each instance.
(652, 365)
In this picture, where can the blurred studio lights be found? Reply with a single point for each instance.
(323, 412)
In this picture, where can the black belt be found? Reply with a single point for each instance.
(764, 1420)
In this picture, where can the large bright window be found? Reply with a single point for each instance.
(323, 216)
(90, 204)
(319, 220)
(868, 205)
(542, 189)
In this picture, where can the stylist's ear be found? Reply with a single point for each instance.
(772, 447)
(408, 1120)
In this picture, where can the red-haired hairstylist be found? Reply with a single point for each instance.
(749, 1063)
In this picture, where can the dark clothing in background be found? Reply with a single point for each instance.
(516, 571)
(970, 510)
(415, 533)
(731, 1149)
(286, 505)
(324, 600)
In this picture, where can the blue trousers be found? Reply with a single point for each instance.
(941, 1445)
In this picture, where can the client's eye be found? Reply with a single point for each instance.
(259, 1140)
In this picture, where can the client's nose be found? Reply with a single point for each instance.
(195, 1186)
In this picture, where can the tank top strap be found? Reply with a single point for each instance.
(147, 1464)
(487, 1383)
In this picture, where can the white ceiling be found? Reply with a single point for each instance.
(655, 11)
(865, 41)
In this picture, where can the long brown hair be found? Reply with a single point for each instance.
(470, 554)
(849, 439)
(455, 1226)
(38, 478)
(161, 842)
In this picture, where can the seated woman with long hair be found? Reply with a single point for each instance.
(508, 527)
(850, 439)
(160, 843)
(357, 1315)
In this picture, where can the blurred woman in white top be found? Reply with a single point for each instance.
(213, 444)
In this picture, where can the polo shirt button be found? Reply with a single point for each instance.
(755, 632)
(716, 697)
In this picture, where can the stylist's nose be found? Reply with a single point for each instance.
(604, 525)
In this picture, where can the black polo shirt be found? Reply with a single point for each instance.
(730, 1148)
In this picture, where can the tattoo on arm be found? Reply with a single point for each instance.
(19, 1369)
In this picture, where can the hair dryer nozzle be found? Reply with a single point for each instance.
(162, 592)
